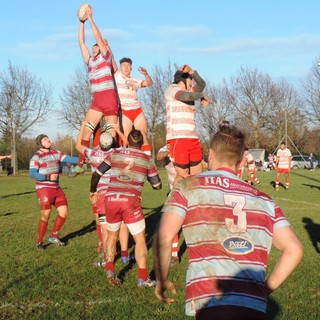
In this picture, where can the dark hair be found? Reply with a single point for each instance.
(135, 138)
(228, 145)
(224, 123)
(39, 139)
(181, 76)
(125, 60)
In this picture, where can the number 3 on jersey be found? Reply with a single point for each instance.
(238, 203)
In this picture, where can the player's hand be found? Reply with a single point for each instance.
(168, 148)
(185, 68)
(143, 70)
(161, 288)
(204, 164)
(125, 142)
(205, 101)
(54, 177)
(93, 197)
(89, 10)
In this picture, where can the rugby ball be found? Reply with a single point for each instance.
(82, 15)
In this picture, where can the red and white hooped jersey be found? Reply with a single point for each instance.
(96, 156)
(128, 91)
(99, 71)
(228, 228)
(180, 116)
(129, 170)
(284, 157)
(47, 163)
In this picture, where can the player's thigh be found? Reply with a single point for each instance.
(181, 172)
(127, 125)
(93, 116)
(140, 123)
(111, 119)
(196, 169)
(136, 228)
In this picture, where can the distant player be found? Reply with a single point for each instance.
(251, 167)
(241, 166)
(44, 168)
(283, 164)
(271, 161)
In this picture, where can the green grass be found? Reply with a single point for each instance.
(60, 282)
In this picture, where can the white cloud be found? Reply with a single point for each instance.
(277, 45)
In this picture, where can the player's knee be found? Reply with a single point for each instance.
(111, 128)
(45, 215)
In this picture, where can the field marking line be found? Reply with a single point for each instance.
(57, 304)
(300, 202)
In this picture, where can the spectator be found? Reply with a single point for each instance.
(311, 159)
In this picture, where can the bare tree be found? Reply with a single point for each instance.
(208, 119)
(153, 102)
(250, 95)
(75, 100)
(311, 92)
(286, 112)
(24, 101)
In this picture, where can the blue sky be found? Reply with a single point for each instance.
(216, 38)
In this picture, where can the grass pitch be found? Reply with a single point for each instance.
(61, 283)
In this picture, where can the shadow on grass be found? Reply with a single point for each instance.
(8, 214)
(16, 194)
(88, 228)
(273, 309)
(12, 283)
(152, 221)
(304, 176)
(311, 186)
(273, 185)
(313, 230)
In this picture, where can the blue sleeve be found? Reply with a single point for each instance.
(70, 159)
(34, 174)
